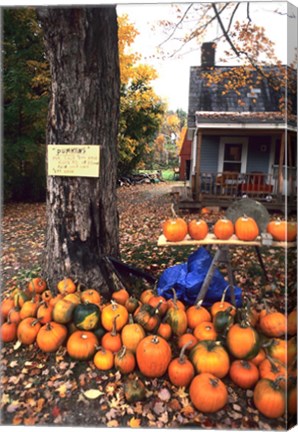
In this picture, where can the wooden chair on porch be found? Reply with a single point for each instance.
(227, 183)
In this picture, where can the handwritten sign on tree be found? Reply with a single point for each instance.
(73, 160)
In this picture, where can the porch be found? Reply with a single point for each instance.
(232, 161)
(220, 189)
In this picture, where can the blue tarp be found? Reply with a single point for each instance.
(187, 280)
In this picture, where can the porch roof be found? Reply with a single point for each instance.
(245, 120)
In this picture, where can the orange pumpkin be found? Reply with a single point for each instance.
(272, 324)
(44, 313)
(181, 370)
(243, 341)
(125, 361)
(29, 309)
(132, 304)
(244, 373)
(112, 340)
(153, 356)
(91, 296)
(279, 350)
(159, 302)
(66, 286)
(81, 345)
(108, 314)
(146, 295)
(174, 302)
(210, 356)
(198, 229)
(282, 230)
(103, 359)
(51, 336)
(223, 229)
(208, 393)
(131, 334)
(8, 331)
(259, 357)
(175, 230)
(205, 331)
(272, 369)
(187, 337)
(6, 305)
(165, 330)
(28, 329)
(177, 319)
(246, 228)
(120, 296)
(63, 311)
(37, 285)
(148, 317)
(222, 305)
(197, 314)
(269, 398)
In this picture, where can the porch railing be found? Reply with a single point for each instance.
(231, 185)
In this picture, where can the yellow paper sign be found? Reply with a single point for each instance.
(73, 160)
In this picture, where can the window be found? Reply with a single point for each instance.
(232, 154)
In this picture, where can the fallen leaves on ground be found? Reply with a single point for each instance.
(51, 389)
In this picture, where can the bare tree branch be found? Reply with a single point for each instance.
(176, 26)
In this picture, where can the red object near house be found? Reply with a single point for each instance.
(185, 157)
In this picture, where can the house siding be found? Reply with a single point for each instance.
(209, 154)
(257, 155)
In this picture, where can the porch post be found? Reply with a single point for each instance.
(290, 164)
(280, 179)
(198, 167)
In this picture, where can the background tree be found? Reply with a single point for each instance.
(82, 223)
(168, 140)
(141, 110)
(25, 102)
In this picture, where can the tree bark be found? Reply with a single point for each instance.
(82, 221)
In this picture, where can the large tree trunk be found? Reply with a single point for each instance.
(82, 222)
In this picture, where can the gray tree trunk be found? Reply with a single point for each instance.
(82, 221)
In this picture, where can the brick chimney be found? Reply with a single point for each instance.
(208, 54)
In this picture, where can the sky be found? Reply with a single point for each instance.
(172, 84)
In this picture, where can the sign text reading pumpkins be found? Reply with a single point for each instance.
(74, 160)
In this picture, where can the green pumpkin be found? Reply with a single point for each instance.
(223, 320)
(86, 316)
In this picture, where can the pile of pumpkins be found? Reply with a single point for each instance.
(245, 228)
(257, 350)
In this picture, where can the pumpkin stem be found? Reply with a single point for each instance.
(155, 339)
(114, 330)
(213, 382)
(114, 304)
(174, 214)
(16, 302)
(182, 352)
(276, 382)
(273, 363)
(8, 320)
(266, 306)
(174, 298)
(130, 319)
(199, 304)
(158, 306)
(36, 321)
(122, 352)
(224, 294)
(48, 326)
